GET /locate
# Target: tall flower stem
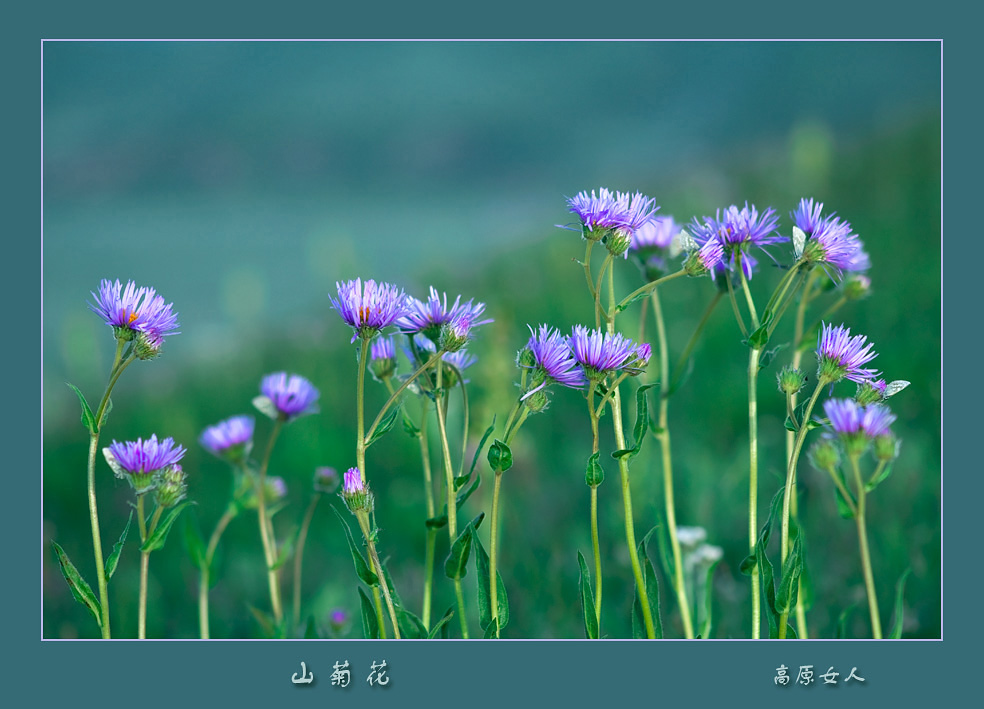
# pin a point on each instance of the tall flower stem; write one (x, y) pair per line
(144, 563)
(431, 531)
(299, 554)
(206, 570)
(664, 439)
(119, 364)
(623, 466)
(595, 539)
(369, 535)
(360, 441)
(692, 342)
(494, 533)
(789, 491)
(449, 474)
(389, 402)
(269, 548)
(869, 579)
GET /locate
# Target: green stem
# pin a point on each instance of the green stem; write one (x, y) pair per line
(591, 285)
(299, 555)
(595, 539)
(753, 367)
(144, 563)
(360, 415)
(752, 312)
(780, 290)
(364, 523)
(203, 585)
(869, 579)
(734, 306)
(269, 549)
(378, 603)
(449, 475)
(664, 439)
(389, 402)
(431, 532)
(643, 290)
(692, 342)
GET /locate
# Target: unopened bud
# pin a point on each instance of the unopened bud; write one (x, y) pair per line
(791, 380)
(171, 487)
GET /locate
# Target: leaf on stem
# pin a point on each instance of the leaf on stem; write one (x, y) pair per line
(439, 626)
(643, 423)
(484, 591)
(843, 508)
(114, 557)
(370, 626)
(362, 569)
(882, 476)
(500, 456)
(492, 632)
(159, 536)
(88, 419)
(385, 425)
(481, 445)
(587, 600)
(758, 339)
(594, 474)
(896, 631)
(652, 593)
(80, 589)
(455, 566)
(442, 520)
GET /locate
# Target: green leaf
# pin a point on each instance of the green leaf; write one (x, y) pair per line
(310, 630)
(159, 536)
(706, 623)
(587, 600)
(117, 548)
(874, 482)
(194, 544)
(642, 424)
(896, 632)
(500, 456)
(370, 626)
(843, 622)
(362, 569)
(80, 589)
(385, 425)
(843, 509)
(789, 581)
(484, 590)
(410, 625)
(455, 566)
(769, 355)
(438, 522)
(286, 551)
(594, 474)
(439, 625)
(409, 427)
(665, 548)
(394, 596)
(758, 339)
(88, 419)
(622, 306)
(492, 631)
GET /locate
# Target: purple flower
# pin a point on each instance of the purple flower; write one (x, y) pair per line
(355, 493)
(829, 240)
(845, 415)
(735, 230)
(607, 210)
(338, 618)
(657, 233)
(551, 359)
(856, 424)
(382, 348)
(130, 310)
(353, 482)
(276, 488)
(602, 353)
(286, 397)
(840, 356)
(141, 461)
(429, 317)
(370, 308)
(231, 439)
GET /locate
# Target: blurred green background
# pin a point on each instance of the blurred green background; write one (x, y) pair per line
(242, 180)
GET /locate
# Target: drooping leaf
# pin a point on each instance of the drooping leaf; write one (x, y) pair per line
(594, 474)
(896, 632)
(500, 456)
(370, 626)
(587, 600)
(362, 569)
(114, 557)
(484, 590)
(80, 589)
(385, 425)
(88, 419)
(882, 476)
(159, 536)
(642, 424)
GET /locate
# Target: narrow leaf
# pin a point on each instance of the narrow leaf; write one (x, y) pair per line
(484, 590)
(409, 427)
(362, 569)
(652, 586)
(706, 623)
(159, 535)
(114, 557)
(492, 631)
(410, 625)
(875, 482)
(896, 631)
(286, 551)
(758, 339)
(385, 425)
(481, 445)
(455, 566)
(843, 509)
(439, 625)
(80, 589)
(88, 419)
(370, 626)
(587, 600)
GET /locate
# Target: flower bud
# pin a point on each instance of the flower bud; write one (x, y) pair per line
(525, 358)
(870, 392)
(617, 241)
(537, 401)
(454, 334)
(171, 486)
(355, 493)
(326, 480)
(146, 347)
(856, 286)
(824, 454)
(886, 447)
(382, 358)
(791, 380)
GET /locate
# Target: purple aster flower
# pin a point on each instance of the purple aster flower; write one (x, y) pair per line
(355, 493)
(548, 354)
(607, 211)
(876, 420)
(338, 617)
(735, 230)
(828, 240)
(657, 233)
(857, 425)
(141, 461)
(382, 358)
(845, 415)
(353, 482)
(286, 397)
(429, 317)
(370, 307)
(602, 353)
(231, 439)
(707, 258)
(840, 356)
(859, 261)
(131, 311)
(276, 488)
